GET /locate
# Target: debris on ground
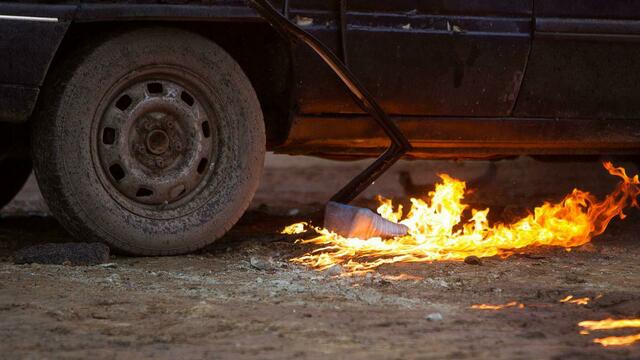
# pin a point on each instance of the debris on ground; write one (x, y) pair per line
(261, 263)
(472, 260)
(434, 317)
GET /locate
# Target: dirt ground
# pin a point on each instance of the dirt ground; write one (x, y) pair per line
(242, 298)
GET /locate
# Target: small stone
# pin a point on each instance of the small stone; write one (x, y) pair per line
(434, 317)
(334, 270)
(260, 263)
(108, 265)
(472, 260)
(75, 254)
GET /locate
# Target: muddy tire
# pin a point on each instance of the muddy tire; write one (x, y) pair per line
(151, 140)
(13, 174)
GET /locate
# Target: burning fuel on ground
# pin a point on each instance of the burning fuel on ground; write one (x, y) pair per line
(569, 299)
(512, 304)
(612, 324)
(440, 228)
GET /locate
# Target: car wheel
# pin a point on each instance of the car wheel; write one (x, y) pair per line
(15, 173)
(151, 141)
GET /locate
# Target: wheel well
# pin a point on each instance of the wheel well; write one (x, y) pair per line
(261, 52)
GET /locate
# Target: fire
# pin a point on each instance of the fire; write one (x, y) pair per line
(578, 301)
(437, 230)
(294, 229)
(498, 307)
(610, 324)
(617, 340)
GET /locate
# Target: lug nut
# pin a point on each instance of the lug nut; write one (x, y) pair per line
(160, 163)
(177, 146)
(140, 148)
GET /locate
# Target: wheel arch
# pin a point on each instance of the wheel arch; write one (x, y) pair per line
(262, 53)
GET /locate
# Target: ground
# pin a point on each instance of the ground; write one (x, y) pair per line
(242, 298)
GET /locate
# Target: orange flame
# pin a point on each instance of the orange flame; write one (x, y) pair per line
(578, 301)
(498, 307)
(437, 231)
(610, 324)
(617, 340)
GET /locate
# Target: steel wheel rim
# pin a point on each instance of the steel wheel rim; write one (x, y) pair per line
(155, 140)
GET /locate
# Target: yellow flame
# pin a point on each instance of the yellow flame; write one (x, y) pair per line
(293, 229)
(498, 307)
(437, 230)
(608, 324)
(617, 340)
(578, 301)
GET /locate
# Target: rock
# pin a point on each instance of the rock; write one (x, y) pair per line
(261, 263)
(65, 253)
(108, 265)
(434, 317)
(472, 260)
(334, 270)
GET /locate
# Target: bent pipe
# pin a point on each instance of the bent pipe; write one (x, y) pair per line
(399, 143)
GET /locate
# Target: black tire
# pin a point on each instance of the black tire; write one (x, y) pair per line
(71, 151)
(14, 173)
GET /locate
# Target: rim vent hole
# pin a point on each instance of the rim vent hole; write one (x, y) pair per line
(124, 102)
(206, 130)
(143, 192)
(154, 88)
(202, 166)
(117, 172)
(188, 99)
(108, 136)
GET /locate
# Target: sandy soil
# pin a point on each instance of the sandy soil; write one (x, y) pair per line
(242, 298)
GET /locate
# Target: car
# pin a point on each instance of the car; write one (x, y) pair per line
(147, 122)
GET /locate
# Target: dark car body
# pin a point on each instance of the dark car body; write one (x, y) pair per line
(463, 79)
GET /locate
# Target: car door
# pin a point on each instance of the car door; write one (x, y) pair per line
(417, 57)
(440, 58)
(584, 60)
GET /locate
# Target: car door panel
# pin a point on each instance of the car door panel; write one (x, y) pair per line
(423, 57)
(440, 64)
(584, 61)
(316, 88)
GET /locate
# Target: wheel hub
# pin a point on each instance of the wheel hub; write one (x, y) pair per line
(155, 142)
